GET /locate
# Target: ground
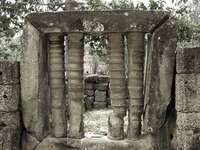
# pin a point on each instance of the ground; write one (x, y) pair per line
(96, 122)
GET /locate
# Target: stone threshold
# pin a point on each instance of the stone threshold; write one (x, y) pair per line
(97, 143)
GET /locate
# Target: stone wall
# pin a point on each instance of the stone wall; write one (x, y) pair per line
(10, 123)
(187, 99)
(96, 91)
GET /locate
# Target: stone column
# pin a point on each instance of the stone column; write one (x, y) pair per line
(135, 43)
(117, 87)
(75, 84)
(57, 84)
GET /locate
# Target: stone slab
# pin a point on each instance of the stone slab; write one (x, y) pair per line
(89, 101)
(160, 74)
(115, 20)
(91, 78)
(10, 138)
(89, 86)
(50, 143)
(103, 79)
(89, 92)
(35, 95)
(101, 86)
(9, 72)
(188, 92)
(188, 121)
(99, 105)
(9, 118)
(10, 131)
(188, 60)
(9, 97)
(100, 96)
(187, 140)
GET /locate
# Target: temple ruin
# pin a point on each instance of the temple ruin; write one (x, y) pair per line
(160, 85)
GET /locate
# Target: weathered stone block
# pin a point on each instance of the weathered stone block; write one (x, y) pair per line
(100, 96)
(101, 86)
(9, 131)
(113, 21)
(99, 105)
(188, 60)
(89, 101)
(10, 138)
(116, 126)
(89, 86)
(91, 78)
(103, 79)
(9, 72)
(59, 144)
(9, 118)
(9, 97)
(29, 142)
(187, 140)
(34, 80)
(188, 92)
(160, 74)
(89, 92)
(188, 121)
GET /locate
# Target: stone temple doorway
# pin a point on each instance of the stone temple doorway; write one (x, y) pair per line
(55, 45)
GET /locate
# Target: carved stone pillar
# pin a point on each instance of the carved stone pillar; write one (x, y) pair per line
(135, 43)
(57, 84)
(75, 84)
(117, 87)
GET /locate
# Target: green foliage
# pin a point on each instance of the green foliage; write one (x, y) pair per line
(156, 4)
(96, 5)
(121, 4)
(184, 30)
(10, 49)
(12, 13)
(55, 5)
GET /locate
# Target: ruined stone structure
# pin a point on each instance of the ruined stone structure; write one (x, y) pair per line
(53, 45)
(44, 42)
(96, 91)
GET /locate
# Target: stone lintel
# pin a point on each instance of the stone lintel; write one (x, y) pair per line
(112, 20)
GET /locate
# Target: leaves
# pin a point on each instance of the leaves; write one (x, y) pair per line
(13, 12)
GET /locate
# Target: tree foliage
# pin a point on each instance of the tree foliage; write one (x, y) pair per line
(12, 13)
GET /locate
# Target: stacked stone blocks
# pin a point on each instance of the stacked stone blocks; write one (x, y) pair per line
(96, 91)
(9, 106)
(187, 98)
(101, 92)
